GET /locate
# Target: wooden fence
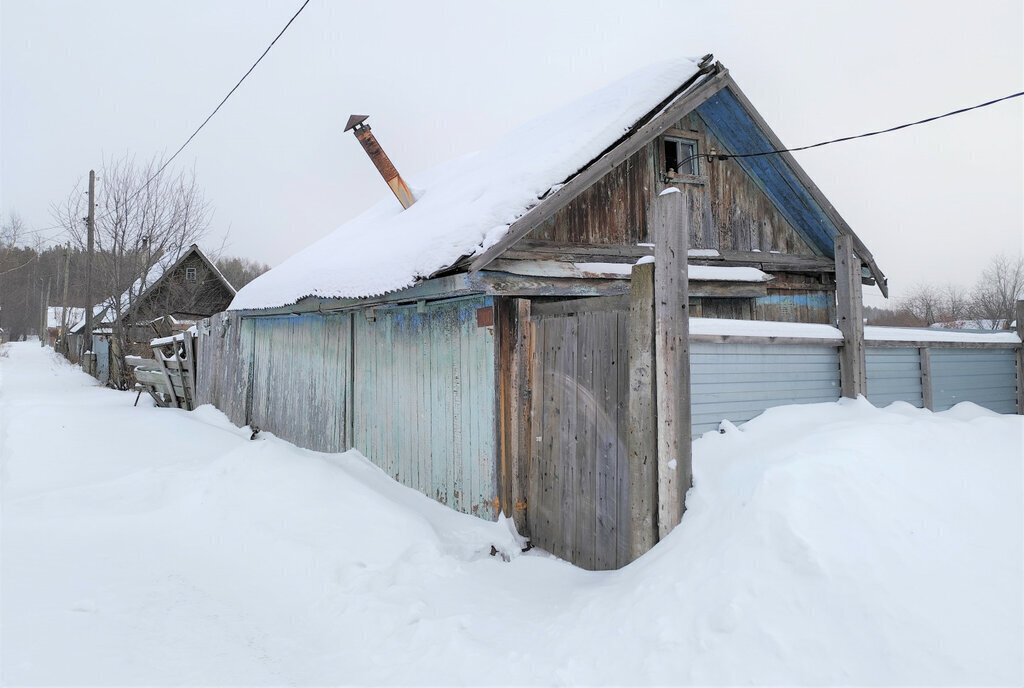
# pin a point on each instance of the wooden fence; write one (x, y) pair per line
(170, 376)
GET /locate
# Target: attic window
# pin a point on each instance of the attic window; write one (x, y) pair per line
(190, 274)
(680, 156)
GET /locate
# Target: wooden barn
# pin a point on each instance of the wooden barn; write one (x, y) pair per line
(174, 294)
(486, 345)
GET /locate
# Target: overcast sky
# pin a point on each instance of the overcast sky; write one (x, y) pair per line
(87, 81)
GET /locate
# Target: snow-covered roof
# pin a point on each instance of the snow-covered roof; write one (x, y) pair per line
(465, 206)
(55, 316)
(162, 265)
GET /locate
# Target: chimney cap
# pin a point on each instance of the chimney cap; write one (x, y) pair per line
(355, 121)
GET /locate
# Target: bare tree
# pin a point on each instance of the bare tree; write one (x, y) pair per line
(240, 271)
(924, 302)
(998, 289)
(956, 303)
(142, 218)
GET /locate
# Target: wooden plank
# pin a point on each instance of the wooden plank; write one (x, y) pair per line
(563, 307)
(618, 154)
(606, 390)
(850, 310)
(508, 388)
(567, 459)
(139, 362)
(642, 428)
(672, 358)
(553, 420)
(506, 284)
(522, 437)
(622, 393)
(927, 396)
(537, 472)
(588, 409)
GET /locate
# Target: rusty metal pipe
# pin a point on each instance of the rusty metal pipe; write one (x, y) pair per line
(380, 159)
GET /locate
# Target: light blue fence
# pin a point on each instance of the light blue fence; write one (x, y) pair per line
(736, 382)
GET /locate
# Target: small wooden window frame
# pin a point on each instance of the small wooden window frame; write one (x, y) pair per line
(191, 275)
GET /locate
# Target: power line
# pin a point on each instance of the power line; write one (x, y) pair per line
(221, 103)
(726, 156)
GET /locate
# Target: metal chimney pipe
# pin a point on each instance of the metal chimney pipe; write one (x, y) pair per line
(380, 159)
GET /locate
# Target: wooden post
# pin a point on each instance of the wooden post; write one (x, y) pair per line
(850, 311)
(643, 437)
(927, 395)
(1020, 358)
(672, 356)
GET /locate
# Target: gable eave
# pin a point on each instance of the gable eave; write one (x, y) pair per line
(808, 210)
(687, 98)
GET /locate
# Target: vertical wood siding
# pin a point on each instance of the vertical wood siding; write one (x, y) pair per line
(736, 382)
(300, 386)
(894, 375)
(224, 361)
(424, 404)
(579, 475)
(986, 377)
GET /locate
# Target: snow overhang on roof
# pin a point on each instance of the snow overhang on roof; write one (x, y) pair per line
(466, 205)
(474, 207)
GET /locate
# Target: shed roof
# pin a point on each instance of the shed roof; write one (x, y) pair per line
(480, 204)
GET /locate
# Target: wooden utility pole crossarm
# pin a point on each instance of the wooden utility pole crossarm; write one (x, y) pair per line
(672, 356)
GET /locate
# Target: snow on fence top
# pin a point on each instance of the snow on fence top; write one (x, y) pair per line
(761, 328)
(925, 334)
(464, 206)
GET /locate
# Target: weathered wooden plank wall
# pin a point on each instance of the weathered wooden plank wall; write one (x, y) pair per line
(424, 401)
(301, 387)
(224, 359)
(736, 382)
(579, 471)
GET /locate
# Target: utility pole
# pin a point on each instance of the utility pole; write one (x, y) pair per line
(64, 301)
(44, 321)
(88, 261)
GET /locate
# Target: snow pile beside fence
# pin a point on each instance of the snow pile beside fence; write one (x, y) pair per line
(833, 544)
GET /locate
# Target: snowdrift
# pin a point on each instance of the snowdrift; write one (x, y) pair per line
(827, 544)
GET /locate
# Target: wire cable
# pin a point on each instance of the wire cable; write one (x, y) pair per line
(726, 156)
(221, 103)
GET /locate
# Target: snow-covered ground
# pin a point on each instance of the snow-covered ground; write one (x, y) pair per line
(826, 544)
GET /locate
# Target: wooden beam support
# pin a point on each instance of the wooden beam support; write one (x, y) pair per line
(642, 442)
(1020, 358)
(927, 396)
(672, 356)
(850, 310)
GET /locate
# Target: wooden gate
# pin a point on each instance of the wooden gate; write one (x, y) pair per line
(578, 485)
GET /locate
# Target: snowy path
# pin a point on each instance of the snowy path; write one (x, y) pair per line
(154, 546)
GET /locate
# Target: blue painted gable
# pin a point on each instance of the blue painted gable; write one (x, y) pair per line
(727, 119)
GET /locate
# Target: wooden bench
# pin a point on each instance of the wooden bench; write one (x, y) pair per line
(170, 376)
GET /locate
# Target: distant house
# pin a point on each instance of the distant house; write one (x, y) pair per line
(55, 321)
(476, 345)
(175, 293)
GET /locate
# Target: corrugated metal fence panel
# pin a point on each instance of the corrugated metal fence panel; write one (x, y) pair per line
(986, 377)
(736, 382)
(424, 406)
(300, 386)
(894, 375)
